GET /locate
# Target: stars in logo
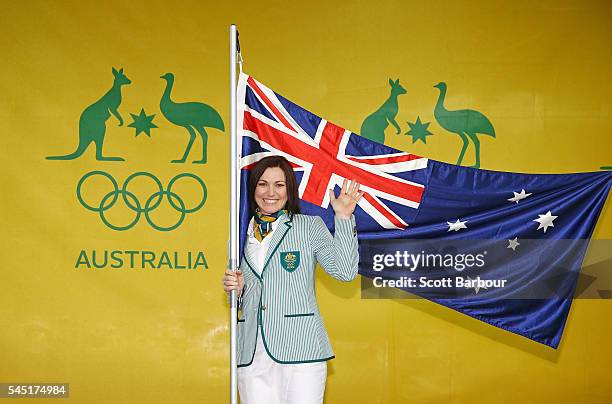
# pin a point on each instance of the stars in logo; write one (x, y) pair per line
(545, 221)
(513, 243)
(143, 123)
(519, 196)
(418, 131)
(457, 225)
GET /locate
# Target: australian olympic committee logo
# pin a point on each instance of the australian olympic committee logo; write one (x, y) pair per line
(147, 205)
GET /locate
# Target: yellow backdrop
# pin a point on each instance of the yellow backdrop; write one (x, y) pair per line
(540, 71)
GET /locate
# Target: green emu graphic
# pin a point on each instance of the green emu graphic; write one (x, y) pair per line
(465, 122)
(189, 115)
(373, 127)
(92, 123)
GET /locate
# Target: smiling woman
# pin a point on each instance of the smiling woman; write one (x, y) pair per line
(271, 191)
(272, 187)
(282, 343)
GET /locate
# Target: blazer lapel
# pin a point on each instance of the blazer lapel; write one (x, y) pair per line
(248, 256)
(277, 238)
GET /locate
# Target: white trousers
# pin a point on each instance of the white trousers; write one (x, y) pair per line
(267, 382)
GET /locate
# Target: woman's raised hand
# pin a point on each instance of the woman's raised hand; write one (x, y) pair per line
(233, 280)
(344, 205)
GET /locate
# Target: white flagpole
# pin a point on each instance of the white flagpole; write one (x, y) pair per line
(233, 241)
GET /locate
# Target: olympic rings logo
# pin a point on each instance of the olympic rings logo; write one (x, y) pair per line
(131, 201)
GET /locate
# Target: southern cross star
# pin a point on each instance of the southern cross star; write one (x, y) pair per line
(545, 221)
(476, 281)
(513, 243)
(518, 196)
(458, 225)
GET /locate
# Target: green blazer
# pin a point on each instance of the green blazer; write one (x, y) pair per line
(283, 299)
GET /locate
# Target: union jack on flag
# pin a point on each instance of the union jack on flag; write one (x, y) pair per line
(323, 154)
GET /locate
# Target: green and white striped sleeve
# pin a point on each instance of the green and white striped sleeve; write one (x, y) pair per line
(338, 255)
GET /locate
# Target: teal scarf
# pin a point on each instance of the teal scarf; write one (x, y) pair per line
(262, 224)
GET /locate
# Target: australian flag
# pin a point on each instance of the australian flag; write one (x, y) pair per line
(520, 224)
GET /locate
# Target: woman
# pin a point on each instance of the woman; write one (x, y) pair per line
(282, 343)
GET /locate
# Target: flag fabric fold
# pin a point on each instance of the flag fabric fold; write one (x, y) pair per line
(408, 197)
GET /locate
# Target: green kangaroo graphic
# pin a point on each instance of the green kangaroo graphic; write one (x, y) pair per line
(92, 123)
(189, 115)
(462, 122)
(373, 127)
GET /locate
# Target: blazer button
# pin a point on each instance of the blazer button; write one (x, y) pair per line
(263, 306)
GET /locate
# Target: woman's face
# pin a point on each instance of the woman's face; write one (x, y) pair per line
(271, 191)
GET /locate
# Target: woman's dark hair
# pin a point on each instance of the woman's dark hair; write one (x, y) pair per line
(293, 198)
